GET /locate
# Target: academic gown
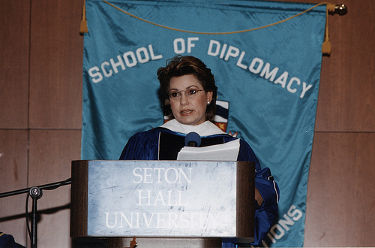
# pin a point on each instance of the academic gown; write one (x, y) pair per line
(164, 143)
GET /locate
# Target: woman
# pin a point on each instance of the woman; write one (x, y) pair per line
(188, 96)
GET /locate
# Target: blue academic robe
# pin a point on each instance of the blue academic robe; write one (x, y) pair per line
(148, 146)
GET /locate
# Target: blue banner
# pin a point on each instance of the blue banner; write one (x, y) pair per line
(269, 76)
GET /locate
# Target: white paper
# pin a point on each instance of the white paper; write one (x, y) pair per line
(223, 152)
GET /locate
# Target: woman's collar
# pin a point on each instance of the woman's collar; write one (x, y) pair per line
(204, 129)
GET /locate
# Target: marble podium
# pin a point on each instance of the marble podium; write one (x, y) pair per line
(162, 199)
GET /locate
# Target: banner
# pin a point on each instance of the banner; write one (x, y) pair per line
(269, 78)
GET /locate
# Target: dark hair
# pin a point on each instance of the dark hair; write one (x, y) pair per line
(185, 65)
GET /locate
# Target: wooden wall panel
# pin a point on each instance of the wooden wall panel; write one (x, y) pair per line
(346, 98)
(51, 153)
(56, 64)
(341, 190)
(13, 176)
(14, 63)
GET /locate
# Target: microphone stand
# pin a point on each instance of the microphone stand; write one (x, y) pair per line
(35, 193)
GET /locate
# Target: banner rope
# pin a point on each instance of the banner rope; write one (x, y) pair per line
(326, 46)
(332, 6)
(83, 27)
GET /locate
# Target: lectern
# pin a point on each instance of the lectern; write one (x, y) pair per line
(178, 201)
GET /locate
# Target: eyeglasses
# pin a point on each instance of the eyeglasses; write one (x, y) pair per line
(176, 95)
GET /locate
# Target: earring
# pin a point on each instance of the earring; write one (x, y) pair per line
(208, 102)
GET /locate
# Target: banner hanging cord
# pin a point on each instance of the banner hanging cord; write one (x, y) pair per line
(83, 27)
(326, 46)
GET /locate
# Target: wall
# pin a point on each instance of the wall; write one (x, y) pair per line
(40, 111)
(40, 122)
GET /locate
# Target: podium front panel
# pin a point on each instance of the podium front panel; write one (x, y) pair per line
(165, 199)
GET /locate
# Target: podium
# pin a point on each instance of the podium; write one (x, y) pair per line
(191, 203)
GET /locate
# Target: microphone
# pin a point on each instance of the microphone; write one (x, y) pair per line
(193, 139)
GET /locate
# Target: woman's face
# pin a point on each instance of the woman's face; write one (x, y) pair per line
(188, 99)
